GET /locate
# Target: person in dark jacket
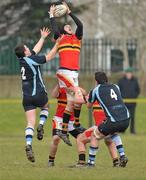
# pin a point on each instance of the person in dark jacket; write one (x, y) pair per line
(130, 89)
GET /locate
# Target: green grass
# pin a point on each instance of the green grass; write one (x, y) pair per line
(14, 165)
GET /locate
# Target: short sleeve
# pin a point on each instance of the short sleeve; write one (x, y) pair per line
(38, 59)
(92, 97)
(33, 52)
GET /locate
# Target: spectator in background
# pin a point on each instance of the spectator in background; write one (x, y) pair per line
(130, 89)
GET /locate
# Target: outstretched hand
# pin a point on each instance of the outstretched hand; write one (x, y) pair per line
(68, 9)
(52, 10)
(45, 32)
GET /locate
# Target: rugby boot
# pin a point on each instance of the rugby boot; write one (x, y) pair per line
(116, 163)
(78, 165)
(29, 153)
(40, 132)
(89, 165)
(51, 164)
(65, 138)
(123, 161)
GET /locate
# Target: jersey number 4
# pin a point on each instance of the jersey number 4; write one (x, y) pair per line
(23, 73)
(113, 95)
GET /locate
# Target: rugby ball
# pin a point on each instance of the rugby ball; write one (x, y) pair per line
(60, 10)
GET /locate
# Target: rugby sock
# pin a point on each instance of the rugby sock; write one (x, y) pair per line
(51, 159)
(82, 157)
(92, 155)
(118, 142)
(77, 111)
(29, 132)
(66, 118)
(43, 116)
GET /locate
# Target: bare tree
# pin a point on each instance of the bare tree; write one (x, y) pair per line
(127, 20)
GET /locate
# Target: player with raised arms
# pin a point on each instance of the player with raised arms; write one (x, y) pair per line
(33, 88)
(69, 55)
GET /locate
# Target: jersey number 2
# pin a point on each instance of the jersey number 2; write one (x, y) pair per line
(113, 95)
(23, 73)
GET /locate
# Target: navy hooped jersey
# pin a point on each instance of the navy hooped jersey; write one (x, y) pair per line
(110, 99)
(32, 82)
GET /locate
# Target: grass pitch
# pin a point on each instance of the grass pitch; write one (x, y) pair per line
(14, 165)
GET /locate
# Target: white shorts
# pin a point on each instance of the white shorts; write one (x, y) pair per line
(57, 123)
(68, 77)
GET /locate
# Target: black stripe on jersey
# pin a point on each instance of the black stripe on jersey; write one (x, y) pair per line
(73, 47)
(99, 108)
(62, 102)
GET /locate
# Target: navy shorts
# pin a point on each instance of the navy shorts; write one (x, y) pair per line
(108, 127)
(74, 132)
(32, 102)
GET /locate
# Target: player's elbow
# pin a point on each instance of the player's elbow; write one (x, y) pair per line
(49, 57)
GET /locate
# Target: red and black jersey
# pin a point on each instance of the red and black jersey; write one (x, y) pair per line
(98, 113)
(70, 44)
(61, 104)
(69, 52)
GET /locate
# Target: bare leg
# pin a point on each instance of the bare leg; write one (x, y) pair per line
(66, 117)
(82, 140)
(53, 150)
(31, 118)
(54, 145)
(113, 151)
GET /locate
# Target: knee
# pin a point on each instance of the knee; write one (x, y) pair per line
(81, 139)
(77, 105)
(56, 140)
(108, 141)
(70, 106)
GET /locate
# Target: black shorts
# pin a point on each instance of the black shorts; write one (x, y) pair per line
(74, 132)
(32, 102)
(108, 127)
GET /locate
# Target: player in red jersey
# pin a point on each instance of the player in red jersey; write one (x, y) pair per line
(113, 142)
(69, 55)
(60, 94)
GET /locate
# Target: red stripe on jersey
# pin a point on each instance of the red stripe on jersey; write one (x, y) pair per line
(61, 106)
(98, 113)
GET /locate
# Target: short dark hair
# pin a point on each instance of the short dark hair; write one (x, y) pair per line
(19, 50)
(101, 77)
